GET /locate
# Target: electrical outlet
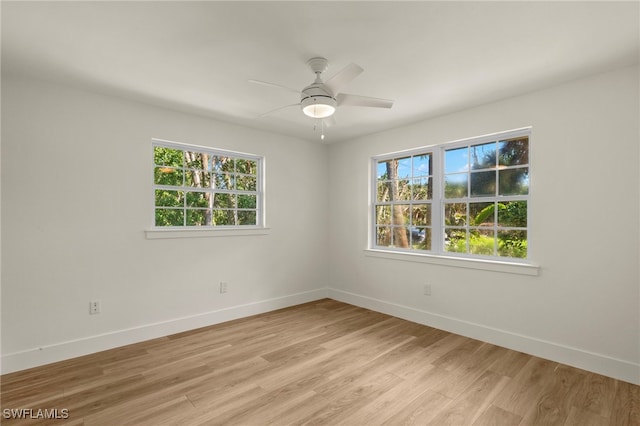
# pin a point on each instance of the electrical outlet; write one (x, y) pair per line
(94, 307)
(223, 287)
(427, 289)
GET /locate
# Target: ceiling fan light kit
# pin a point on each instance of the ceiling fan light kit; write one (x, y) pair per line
(320, 100)
(318, 106)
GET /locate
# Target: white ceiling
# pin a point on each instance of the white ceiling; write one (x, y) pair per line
(430, 57)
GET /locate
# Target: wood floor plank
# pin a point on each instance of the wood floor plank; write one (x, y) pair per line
(626, 405)
(556, 400)
(463, 374)
(222, 380)
(597, 395)
(390, 403)
(526, 387)
(421, 410)
(579, 417)
(453, 358)
(496, 416)
(298, 411)
(350, 397)
(140, 413)
(320, 363)
(467, 407)
(510, 364)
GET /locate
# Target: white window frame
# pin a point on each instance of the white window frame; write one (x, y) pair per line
(437, 254)
(155, 232)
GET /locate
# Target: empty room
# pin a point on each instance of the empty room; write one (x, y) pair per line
(331, 213)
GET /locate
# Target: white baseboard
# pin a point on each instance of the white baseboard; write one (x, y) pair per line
(34, 357)
(597, 363)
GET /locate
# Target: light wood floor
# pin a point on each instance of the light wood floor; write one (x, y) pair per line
(326, 363)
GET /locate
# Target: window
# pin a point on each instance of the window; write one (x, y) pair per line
(404, 201)
(202, 187)
(465, 199)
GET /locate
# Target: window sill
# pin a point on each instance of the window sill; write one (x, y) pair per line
(485, 265)
(154, 234)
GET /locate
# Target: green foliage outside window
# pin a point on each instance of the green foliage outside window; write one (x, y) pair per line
(199, 188)
(477, 175)
(484, 199)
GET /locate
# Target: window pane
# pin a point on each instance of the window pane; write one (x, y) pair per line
(455, 240)
(455, 214)
(167, 156)
(422, 189)
(482, 241)
(383, 236)
(397, 173)
(198, 199)
(383, 215)
(514, 152)
(404, 168)
(455, 186)
(247, 217)
(483, 184)
(384, 191)
(221, 164)
(169, 198)
(197, 178)
(401, 236)
(246, 183)
(421, 239)
(512, 214)
(381, 170)
(247, 201)
(403, 190)
(456, 160)
(224, 201)
(169, 217)
(514, 181)
(512, 244)
(198, 217)
(195, 160)
(167, 176)
(224, 217)
(400, 214)
(422, 165)
(421, 215)
(482, 214)
(418, 237)
(483, 156)
(224, 181)
(248, 167)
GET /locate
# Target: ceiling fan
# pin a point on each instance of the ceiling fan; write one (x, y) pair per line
(320, 99)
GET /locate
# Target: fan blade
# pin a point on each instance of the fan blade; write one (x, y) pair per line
(277, 86)
(343, 77)
(278, 109)
(365, 101)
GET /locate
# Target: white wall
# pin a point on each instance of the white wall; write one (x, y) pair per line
(77, 197)
(583, 308)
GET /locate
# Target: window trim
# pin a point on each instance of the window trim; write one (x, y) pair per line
(456, 262)
(175, 232)
(437, 254)
(164, 232)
